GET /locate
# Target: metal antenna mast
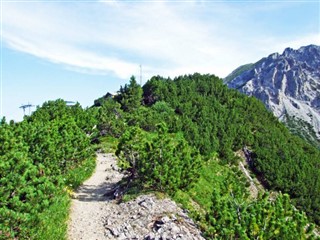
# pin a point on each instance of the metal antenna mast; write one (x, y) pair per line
(140, 75)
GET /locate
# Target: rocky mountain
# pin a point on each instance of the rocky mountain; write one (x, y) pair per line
(289, 85)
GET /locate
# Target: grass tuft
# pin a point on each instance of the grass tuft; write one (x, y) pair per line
(53, 221)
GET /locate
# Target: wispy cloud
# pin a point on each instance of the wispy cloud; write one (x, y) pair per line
(70, 56)
(167, 38)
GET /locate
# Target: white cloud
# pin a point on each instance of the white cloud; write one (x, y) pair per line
(72, 57)
(114, 37)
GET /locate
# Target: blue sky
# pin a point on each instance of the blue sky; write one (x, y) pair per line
(80, 50)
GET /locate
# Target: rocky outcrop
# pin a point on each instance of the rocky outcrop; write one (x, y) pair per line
(288, 84)
(148, 217)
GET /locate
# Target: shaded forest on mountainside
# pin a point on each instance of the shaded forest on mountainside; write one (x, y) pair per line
(214, 118)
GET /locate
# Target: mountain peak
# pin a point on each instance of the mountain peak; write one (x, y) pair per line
(287, 51)
(288, 84)
(274, 55)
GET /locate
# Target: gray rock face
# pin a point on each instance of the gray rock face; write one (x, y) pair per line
(287, 83)
(149, 218)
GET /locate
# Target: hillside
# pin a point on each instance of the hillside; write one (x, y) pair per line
(289, 85)
(177, 138)
(208, 122)
(216, 119)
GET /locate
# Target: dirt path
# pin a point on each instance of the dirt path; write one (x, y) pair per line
(89, 203)
(94, 216)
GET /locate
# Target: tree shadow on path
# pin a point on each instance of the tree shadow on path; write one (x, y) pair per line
(109, 180)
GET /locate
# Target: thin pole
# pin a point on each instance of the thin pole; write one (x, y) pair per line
(140, 75)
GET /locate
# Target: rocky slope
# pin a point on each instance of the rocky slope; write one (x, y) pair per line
(288, 84)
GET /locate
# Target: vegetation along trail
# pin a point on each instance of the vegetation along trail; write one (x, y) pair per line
(89, 202)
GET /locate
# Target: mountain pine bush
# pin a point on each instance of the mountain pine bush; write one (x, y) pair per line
(37, 156)
(161, 161)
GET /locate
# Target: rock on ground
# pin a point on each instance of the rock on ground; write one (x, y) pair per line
(147, 217)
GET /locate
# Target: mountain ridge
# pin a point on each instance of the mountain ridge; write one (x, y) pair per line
(288, 84)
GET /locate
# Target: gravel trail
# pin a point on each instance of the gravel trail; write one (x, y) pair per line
(89, 203)
(94, 216)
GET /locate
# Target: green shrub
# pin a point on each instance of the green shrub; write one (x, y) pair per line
(160, 160)
(38, 157)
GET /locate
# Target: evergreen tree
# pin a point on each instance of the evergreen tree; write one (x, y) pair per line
(130, 96)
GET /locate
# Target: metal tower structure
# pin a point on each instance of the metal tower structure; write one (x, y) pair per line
(24, 106)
